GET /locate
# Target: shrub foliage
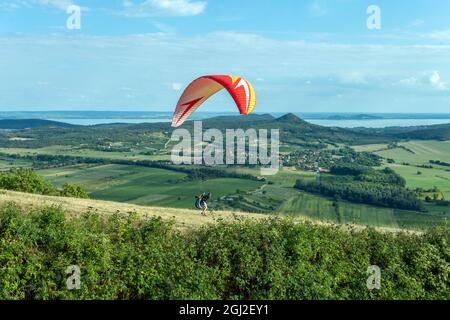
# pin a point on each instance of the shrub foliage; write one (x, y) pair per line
(27, 180)
(125, 257)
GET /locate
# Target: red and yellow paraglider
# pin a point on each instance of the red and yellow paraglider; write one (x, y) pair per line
(204, 87)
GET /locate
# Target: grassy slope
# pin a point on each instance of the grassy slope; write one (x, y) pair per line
(421, 152)
(183, 218)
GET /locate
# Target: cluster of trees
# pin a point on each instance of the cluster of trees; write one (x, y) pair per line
(212, 173)
(309, 158)
(123, 257)
(361, 184)
(109, 148)
(348, 155)
(441, 163)
(363, 173)
(432, 132)
(26, 180)
(44, 161)
(92, 137)
(386, 195)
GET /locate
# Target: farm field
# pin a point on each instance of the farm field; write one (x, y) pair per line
(370, 147)
(144, 186)
(420, 152)
(80, 152)
(320, 208)
(286, 176)
(282, 198)
(7, 164)
(165, 188)
(427, 179)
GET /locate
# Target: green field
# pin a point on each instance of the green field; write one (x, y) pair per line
(83, 152)
(165, 188)
(428, 179)
(159, 187)
(419, 152)
(286, 176)
(288, 200)
(144, 186)
(7, 164)
(370, 147)
(320, 208)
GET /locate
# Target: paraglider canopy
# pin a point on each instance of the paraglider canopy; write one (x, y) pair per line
(204, 87)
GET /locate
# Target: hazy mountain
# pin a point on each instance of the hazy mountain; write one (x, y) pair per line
(19, 124)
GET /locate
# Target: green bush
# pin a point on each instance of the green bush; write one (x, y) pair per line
(74, 191)
(27, 180)
(126, 257)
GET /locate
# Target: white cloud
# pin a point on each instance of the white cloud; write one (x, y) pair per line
(417, 23)
(319, 8)
(8, 6)
(58, 4)
(176, 86)
(62, 5)
(153, 8)
(155, 66)
(428, 80)
(440, 35)
(435, 80)
(353, 77)
(409, 82)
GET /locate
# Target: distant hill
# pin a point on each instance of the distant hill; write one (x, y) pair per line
(354, 117)
(433, 132)
(18, 124)
(291, 118)
(293, 129)
(437, 132)
(240, 119)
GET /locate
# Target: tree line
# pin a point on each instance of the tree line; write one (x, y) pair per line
(365, 185)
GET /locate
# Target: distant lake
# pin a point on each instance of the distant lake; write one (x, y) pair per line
(377, 123)
(329, 119)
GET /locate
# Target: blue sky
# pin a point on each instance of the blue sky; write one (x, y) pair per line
(301, 55)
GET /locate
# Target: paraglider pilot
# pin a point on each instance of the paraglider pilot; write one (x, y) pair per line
(202, 202)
